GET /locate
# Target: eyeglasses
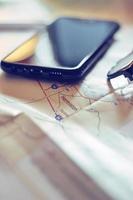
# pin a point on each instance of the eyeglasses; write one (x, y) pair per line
(122, 67)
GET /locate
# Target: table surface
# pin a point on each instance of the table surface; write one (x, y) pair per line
(119, 10)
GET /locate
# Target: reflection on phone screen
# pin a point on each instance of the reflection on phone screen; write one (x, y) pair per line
(64, 43)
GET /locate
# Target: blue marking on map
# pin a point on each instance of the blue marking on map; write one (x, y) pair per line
(58, 117)
(54, 86)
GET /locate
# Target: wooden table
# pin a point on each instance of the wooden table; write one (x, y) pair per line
(119, 10)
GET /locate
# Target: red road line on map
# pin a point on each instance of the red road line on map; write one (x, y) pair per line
(56, 93)
(79, 92)
(76, 96)
(46, 96)
(36, 100)
(59, 101)
(48, 88)
(83, 95)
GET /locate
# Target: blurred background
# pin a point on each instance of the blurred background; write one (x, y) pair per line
(120, 10)
(34, 10)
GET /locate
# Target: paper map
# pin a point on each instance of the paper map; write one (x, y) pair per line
(90, 121)
(40, 169)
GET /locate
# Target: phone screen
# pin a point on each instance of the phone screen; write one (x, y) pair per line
(64, 43)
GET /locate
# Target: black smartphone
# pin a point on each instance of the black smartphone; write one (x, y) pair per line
(63, 50)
